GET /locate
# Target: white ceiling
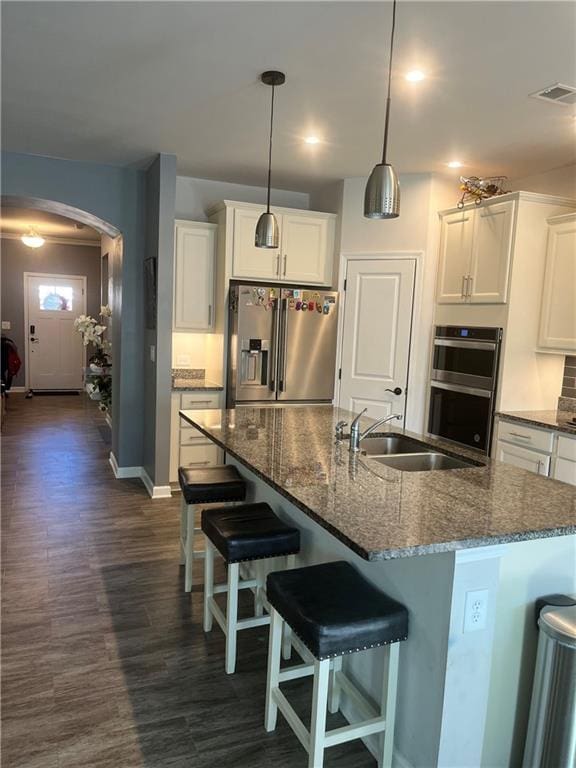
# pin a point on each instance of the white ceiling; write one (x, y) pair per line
(116, 82)
(18, 221)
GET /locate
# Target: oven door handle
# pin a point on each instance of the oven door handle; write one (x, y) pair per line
(465, 344)
(487, 393)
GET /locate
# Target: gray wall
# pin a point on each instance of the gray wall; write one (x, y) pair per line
(116, 197)
(160, 201)
(52, 258)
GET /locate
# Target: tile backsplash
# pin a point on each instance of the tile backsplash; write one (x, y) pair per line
(569, 380)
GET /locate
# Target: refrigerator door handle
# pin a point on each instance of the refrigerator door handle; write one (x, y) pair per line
(282, 345)
(274, 355)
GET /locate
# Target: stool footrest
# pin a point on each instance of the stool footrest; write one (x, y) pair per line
(255, 621)
(246, 584)
(355, 731)
(295, 672)
(292, 718)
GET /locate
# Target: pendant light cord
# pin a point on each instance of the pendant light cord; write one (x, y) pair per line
(385, 146)
(270, 150)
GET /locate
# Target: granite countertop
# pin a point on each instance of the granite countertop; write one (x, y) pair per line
(379, 512)
(196, 385)
(560, 421)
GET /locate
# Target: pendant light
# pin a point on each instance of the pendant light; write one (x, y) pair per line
(382, 195)
(267, 232)
(33, 239)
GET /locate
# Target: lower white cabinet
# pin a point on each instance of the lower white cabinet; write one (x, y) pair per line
(188, 446)
(523, 458)
(539, 450)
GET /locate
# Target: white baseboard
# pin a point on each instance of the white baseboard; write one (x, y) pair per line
(155, 491)
(354, 715)
(123, 473)
(17, 389)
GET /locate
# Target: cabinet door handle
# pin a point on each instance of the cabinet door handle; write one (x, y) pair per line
(278, 264)
(284, 268)
(469, 286)
(209, 314)
(522, 437)
(463, 288)
(197, 463)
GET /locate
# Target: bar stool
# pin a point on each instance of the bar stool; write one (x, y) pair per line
(209, 485)
(332, 611)
(245, 533)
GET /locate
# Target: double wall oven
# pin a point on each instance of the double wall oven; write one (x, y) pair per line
(463, 384)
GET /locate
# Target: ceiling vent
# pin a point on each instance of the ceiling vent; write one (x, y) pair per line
(557, 94)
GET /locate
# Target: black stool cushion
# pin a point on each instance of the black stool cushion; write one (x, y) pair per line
(334, 610)
(249, 532)
(211, 485)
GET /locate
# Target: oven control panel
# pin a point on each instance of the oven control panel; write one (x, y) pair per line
(468, 333)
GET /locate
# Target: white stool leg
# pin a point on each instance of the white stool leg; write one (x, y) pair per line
(388, 706)
(287, 641)
(258, 596)
(208, 584)
(183, 511)
(334, 692)
(273, 677)
(318, 721)
(232, 617)
(189, 547)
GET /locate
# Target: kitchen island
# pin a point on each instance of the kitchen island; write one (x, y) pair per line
(430, 539)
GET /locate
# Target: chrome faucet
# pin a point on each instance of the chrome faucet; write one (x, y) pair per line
(340, 429)
(356, 436)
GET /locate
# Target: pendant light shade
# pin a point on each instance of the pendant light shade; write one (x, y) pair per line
(382, 195)
(267, 230)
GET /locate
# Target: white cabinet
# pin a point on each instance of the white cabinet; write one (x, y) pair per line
(188, 446)
(475, 250)
(305, 252)
(194, 253)
(564, 471)
(558, 314)
(455, 256)
(247, 260)
(523, 458)
(491, 249)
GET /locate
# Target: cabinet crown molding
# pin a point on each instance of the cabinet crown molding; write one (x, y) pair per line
(197, 224)
(223, 204)
(531, 197)
(562, 218)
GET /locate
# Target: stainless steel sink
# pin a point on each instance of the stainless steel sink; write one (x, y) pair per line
(424, 462)
(392, 444)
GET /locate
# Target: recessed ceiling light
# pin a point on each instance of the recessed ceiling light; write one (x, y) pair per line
(455, 164)
(312, 140)
(415, 76)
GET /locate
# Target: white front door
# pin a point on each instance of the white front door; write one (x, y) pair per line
(55, 354)
(376, 337)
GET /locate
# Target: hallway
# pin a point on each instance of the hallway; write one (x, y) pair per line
(105, 663)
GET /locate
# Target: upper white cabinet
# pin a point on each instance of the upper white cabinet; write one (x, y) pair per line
(475, 250)
(194, 254)
(305, 253)
(247, 260)
(558, 315)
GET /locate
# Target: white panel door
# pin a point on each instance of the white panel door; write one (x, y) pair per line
(307, 242)
(376, 337)
(194, 276)
(55, 351)
(455, 255)
(523, 458)
(247, 260)
(492, 246)
(565, 471)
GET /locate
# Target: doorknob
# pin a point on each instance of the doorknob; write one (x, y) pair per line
(395, 391)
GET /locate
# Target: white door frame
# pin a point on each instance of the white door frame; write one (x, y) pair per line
(415, 393)
(28, 275)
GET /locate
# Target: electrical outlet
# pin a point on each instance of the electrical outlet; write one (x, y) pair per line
(476, 610)
(6, 325)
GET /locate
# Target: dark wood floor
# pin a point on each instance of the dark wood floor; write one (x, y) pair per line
(104, 661)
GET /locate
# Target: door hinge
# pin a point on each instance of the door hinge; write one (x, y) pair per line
(345, 283)
(340, 373)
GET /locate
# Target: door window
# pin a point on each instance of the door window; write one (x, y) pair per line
(57, 298)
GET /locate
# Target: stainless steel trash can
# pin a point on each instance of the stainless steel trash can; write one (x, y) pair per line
(551, 737)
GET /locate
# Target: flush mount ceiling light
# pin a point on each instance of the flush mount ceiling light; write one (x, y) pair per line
(267, 233)
(382, 194)
(454, 164)
(415, 76)
(312, 140)
(33, 239)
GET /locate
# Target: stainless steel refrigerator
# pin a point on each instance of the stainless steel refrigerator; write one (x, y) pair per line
(282, 344)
